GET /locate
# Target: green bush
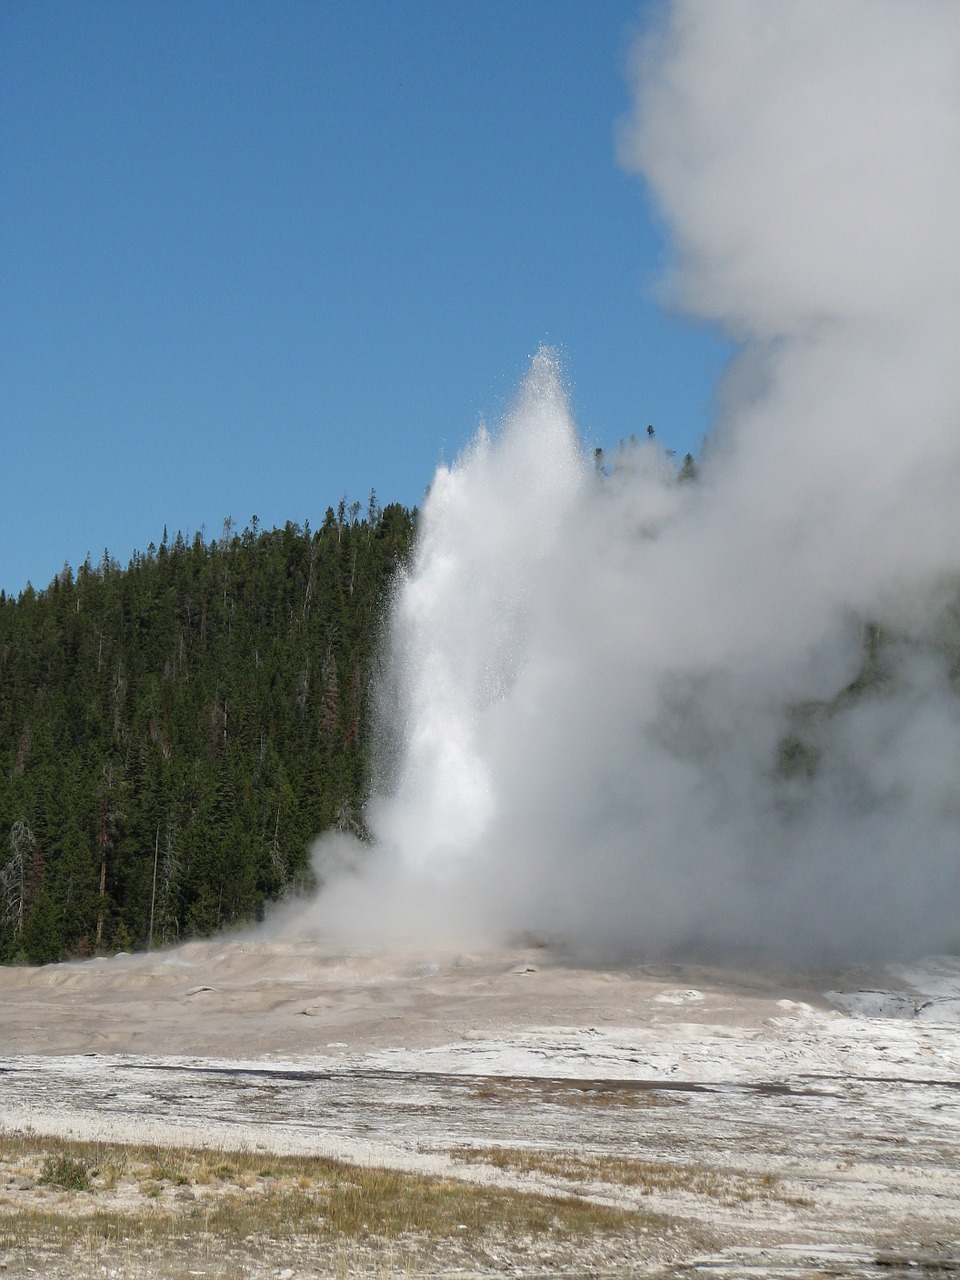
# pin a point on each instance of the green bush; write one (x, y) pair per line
(67, 1172)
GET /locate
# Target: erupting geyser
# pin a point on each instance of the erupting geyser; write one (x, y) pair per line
(721, 714)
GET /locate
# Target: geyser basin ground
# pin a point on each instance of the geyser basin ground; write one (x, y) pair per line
(767, 1123)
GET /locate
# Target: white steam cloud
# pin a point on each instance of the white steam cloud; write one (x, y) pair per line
(617, 708)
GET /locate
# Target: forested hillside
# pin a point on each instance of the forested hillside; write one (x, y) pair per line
(173, 734)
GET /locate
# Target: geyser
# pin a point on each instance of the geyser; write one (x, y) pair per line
(722, 714)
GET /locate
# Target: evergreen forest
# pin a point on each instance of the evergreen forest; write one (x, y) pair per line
(175, 733)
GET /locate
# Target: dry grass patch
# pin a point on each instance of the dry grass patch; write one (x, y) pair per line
(727, 1188)
(65, 1192)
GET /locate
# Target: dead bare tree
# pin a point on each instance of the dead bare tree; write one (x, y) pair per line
(16, 875)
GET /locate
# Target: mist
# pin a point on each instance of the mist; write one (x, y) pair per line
(717, 716)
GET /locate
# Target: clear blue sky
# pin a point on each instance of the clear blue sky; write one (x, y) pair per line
(258, 254)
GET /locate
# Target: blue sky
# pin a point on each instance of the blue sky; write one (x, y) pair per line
(259, 255)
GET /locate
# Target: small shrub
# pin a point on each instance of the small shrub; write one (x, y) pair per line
(65, 1171)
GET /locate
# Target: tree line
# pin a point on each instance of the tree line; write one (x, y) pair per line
(174, 733)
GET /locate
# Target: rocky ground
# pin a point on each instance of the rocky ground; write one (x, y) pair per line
(748, 1123)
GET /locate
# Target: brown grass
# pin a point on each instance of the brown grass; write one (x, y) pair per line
(149, 1195)
(726, 1187)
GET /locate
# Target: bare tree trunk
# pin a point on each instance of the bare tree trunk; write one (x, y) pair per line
(153, 892)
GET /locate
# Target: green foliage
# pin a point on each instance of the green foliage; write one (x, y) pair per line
(69, 1172)
(805, 745)
(174, 734)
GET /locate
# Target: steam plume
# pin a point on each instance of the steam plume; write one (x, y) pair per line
(619, 708)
